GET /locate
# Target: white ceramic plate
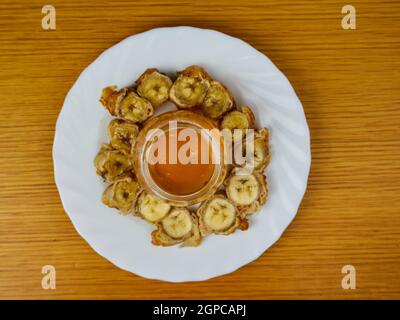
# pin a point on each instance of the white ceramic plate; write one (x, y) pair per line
(81, 128)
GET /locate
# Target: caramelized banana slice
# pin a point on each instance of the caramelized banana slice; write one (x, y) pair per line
(219, 215)
(247, 191)
(134, 108)
(154, 86)
(111, 164)
(121, 194)
(111, 98)
(259, 150)
(122, 134)
(190, 88)
(243, 120)
(217, 101)
(179, 226)
(151, 208)
(126, 104)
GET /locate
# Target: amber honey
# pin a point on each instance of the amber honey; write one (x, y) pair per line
(180, 183)
(180, 178)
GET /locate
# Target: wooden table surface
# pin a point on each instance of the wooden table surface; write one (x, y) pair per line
(347, 80)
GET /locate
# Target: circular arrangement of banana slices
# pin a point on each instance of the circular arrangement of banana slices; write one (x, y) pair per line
(243, 192)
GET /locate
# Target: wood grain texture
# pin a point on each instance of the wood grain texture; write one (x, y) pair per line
(347, 80)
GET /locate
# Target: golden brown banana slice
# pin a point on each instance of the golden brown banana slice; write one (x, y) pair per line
(190, 88)
(257, 153)
(219, 215)
(179, 226)
(217, 101)
(111, 163)
(243, 120)
(151, 208)
(121, 194)
(134, 108)
(154, 86)
(247, 191)
(122, 134)
(111, 98)
(126, 104)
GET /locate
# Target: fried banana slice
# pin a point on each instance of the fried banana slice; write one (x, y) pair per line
(242, 120)
(134, 108)
(151, 208)
(220, 216)
(111, 164)
(121, 194)
(217, 101)
(122, 134)
(179, 226)
(190, 88)
(111, 98)
(247, 191)
(154, 86)
(258, 154)
(126, 104)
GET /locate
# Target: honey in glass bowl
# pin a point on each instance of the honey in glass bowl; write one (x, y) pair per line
(177, 160)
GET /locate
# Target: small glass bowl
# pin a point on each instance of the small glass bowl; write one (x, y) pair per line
(184, 119)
